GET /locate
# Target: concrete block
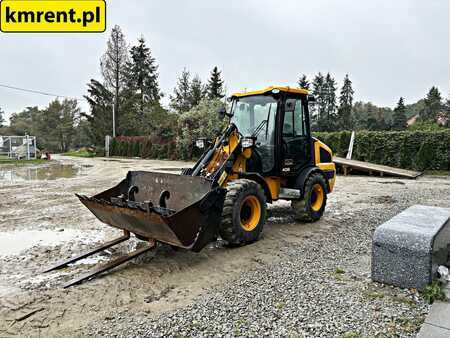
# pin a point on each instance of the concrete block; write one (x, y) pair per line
(408, 249)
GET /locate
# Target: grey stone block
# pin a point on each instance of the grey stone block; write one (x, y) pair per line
(408, 249)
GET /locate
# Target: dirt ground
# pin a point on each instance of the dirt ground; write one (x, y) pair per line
(42, 222)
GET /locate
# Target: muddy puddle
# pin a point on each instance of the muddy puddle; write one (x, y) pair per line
(13, 243)
(50, 172)
(16, 242)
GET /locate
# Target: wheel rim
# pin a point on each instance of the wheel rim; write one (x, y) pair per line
(317, 197)
(250, 213)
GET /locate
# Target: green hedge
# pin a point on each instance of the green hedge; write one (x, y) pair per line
(419, 150)
(142, 147)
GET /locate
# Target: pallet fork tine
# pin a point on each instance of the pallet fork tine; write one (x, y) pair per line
(105, 267)
(110, 265)
(91, 252)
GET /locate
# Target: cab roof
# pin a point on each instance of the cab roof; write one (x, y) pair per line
(269, 89)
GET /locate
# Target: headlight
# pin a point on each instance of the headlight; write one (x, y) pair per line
(248, 142)
(200, 143)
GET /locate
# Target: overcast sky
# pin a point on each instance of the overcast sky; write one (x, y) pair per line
(389, 48)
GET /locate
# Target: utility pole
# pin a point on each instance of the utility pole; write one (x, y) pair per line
(114, 120)
(28, 146)
(141, 93)
(35, 146)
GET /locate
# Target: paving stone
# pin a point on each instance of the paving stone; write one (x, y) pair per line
(408, 249)
(431, 331)
(439, 315)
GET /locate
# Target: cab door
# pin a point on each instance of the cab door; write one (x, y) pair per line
(296, 141)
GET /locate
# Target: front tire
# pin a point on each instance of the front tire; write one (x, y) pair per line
(312, 206)
(244, 212)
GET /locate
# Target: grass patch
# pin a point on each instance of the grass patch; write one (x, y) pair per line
(403, 299)
(374, 295)
(339, 275)
(279, 305)
(434, 292)
(9, 161)
(409, 325)
(241, 322)
(339, 271)
(388, 295)
(437, 172)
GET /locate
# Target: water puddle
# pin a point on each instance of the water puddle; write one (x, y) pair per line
(15, 242)
(50, 172)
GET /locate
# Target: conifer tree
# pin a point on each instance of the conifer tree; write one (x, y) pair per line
(100, 117)
(329, 121)
(318, 110)
(433, 105)
(345, 105)
(197, 91)
(142, 72)
(215, 86)
(141, 96)
(113, 64)
(181, 99)
(399, 117)
(303, 82)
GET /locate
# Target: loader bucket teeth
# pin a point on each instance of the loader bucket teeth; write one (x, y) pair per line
(183, 211)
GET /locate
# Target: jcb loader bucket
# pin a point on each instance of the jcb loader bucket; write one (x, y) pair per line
(183, 211)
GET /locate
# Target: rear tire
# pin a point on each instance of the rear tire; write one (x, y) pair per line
(312, 206)
(244, 212)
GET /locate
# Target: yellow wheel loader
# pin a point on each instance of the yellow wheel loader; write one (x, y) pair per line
(265, 154)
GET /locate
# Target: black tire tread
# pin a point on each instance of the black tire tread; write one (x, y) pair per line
(302, 208)
(228, 230)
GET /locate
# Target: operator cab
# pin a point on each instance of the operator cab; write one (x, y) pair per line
(278, 119)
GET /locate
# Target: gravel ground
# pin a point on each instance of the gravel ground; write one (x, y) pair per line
(321, 286)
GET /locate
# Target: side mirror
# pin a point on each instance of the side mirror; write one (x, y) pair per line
(222, 111)
(311, 98)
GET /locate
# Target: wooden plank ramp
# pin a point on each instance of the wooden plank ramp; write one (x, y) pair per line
(371, 168)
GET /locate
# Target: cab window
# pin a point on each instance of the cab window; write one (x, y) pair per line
(293, 125)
